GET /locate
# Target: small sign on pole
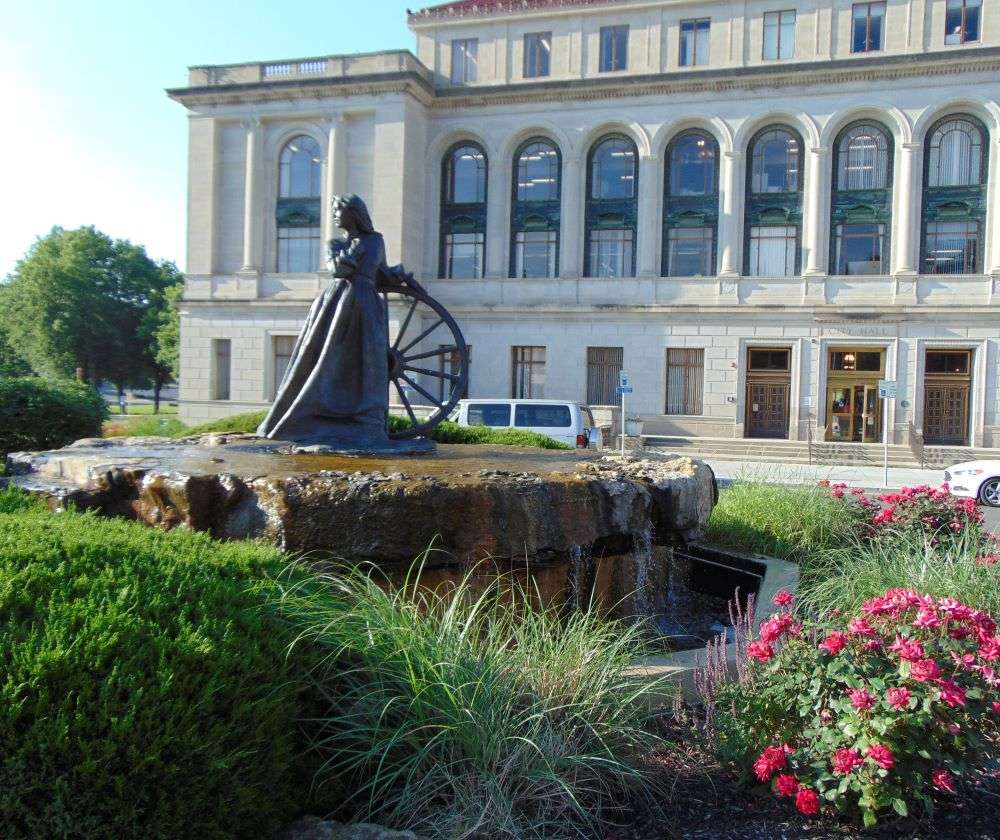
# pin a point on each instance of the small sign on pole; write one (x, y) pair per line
(623, 389)
(886, 392)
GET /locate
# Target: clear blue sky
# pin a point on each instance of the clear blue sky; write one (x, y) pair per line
(87, 134)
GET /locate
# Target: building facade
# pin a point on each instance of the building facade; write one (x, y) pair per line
(757, 210)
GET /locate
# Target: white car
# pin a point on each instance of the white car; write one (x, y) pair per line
(978, 480)
(567, 422)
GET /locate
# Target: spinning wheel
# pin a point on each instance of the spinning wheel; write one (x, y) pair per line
(424, 377)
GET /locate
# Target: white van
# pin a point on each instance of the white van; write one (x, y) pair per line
(567, 422)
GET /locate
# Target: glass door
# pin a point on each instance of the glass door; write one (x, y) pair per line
(872, 416)
(841, 416)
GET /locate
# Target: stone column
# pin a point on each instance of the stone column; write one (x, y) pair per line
(814, 221)
(905, 196)
(648, 217)
(730, 233)
(574, 185)
(251, 197)
(333, 177)
(497, 218)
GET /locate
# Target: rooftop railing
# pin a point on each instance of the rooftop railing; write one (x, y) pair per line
(330, 66)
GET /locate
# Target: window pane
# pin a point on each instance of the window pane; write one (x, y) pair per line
(536, 54)
(768, 359)
(546, 416)
(614, 48)
(298, 249)
(690, 252)
(953, 22)
(772, 251)
(971, 32)
(787, 38)
(952, 248)
(863, 158)
(956, 149)
(464, 60)
(536, 253)
(692, 165)
(538, 173)
(464, 255)
(771, 35)
(528, 372)
(300, 168)
(859, 27)
(860, 249)
(611, 253)
(467, 176)
(775, 162)
(875, 27)
(701, 51)
(613, 169)
(604, 364)
(687, 43)
(222, 368)
(685, 376)
(489, 414)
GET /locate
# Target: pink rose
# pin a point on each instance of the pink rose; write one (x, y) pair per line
(882, 756)
(761, 651)
(943, 780)
(909, 650)
(770, 761)
(782, 599)
(846, 760)
(786, 784)
(807, 801)
(925, 670)
(834, 643)
(951, 693)
(861, 698)
(898, 698)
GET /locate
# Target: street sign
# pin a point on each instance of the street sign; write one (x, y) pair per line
(626, 390)
(622, 379)
(887, 389)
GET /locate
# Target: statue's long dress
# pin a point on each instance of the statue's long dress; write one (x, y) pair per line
(335, 391)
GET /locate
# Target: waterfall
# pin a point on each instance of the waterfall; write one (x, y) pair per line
(642, 560)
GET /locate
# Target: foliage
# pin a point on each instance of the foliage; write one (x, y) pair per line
(42, 414)
(11, 362)
(78, 299)
(144, 425)
(449, 432)
(791, 522)
(473, 712)
(161, 325)
(145, 684)
(870, 711)
(245, 423)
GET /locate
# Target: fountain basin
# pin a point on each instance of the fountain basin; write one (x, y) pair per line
(578, 525)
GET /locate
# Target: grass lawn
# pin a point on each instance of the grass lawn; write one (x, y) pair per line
(143, 409)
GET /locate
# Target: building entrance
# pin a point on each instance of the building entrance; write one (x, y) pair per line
(854, 410)
(768, 392)
(947, 377)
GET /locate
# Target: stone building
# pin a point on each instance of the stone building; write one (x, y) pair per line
(759, 210)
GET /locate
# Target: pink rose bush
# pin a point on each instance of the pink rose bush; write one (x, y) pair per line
(846, 726)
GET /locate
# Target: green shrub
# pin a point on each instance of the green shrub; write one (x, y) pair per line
(449, 432)
(474, 714)
(235, 424)
(145, 685)
(787, 521)
(869, 711)
(46, 414)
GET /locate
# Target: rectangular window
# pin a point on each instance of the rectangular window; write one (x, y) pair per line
(544, 416)
(463, 255)
(611, 253)
(527, 373)
(773, 250)
(537, 54)
(952, 248)
(860, 249)
(961, 21)
(281, 352)
(690, 252)
(944, 362)
(779, 35)
(867, 26)
(222, 362)
(768, 358)
(535, 253)
(489, 414)
(861, 361)
(298, 249)
(604, 364)
(451, 363)
(464, 60)
(614, 48)
(685, 380)
(694, 42)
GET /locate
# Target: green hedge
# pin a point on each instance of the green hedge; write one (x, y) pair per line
(145, 684)
(46, 414)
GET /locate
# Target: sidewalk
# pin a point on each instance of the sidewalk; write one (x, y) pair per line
(856, 476)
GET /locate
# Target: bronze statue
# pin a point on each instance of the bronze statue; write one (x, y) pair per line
(334, 396)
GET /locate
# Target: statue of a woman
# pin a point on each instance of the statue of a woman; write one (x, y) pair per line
(335, 392)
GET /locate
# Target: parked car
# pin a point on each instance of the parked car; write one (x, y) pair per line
(567, 422)
(978, 480)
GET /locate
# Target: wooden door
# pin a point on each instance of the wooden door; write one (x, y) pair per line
(946, 414)
(767, 409)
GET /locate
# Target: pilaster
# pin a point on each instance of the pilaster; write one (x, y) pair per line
(907, 189)
(648, 222)
(731, 189)
(572, 210)
(813, 227)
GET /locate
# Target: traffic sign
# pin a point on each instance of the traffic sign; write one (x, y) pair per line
(622, 379)
(625, 390)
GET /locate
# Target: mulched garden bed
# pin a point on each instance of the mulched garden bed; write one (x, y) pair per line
(707, 803)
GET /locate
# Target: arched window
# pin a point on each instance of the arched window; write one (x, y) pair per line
(534, 225)
(612, 207)
(861, 199)
(773, 226)
(298, 211)
(954, 200)
(691, 205)
(463, 211)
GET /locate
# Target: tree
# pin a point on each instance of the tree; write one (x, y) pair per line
(11, 362)
(161, 329)
(79, 299)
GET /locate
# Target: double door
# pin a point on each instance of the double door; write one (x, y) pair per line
(855, 412)
(767, 409)
(946, 413)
